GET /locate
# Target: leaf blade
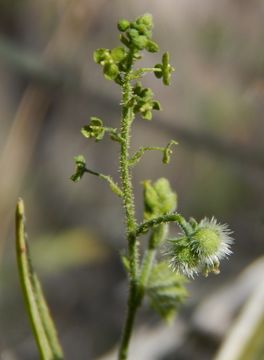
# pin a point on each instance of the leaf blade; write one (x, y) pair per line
(41, 321)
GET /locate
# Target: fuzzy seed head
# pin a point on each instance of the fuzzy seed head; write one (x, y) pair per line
(201, 250)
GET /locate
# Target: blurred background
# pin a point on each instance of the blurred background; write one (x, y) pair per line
(49, 87)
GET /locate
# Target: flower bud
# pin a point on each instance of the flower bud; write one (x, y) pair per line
(152, 46)
(123, 25)
(118, 54)
(159, 199)
(146, 20)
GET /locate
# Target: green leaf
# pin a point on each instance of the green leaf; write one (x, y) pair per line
(41, 321)
(159, 199)
(165, 290)
(80, 168)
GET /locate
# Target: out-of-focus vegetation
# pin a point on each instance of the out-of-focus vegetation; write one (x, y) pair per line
(215, 112)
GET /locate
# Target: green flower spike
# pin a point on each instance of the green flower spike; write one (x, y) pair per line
(202, 249)
(166, 69)
(137, 34)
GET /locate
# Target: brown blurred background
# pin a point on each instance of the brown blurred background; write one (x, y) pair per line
(49, 87)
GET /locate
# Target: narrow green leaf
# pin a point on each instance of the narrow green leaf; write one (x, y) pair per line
(41, 321)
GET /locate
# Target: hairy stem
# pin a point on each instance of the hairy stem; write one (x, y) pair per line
(128, 202)
(177, 218)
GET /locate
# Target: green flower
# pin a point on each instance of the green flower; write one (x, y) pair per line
(144, 103)
(94, 130)
(137, 34)
(164, 69)
(111, 61)
(202, 249)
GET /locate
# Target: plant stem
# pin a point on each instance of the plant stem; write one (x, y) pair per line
(177, 218)
(128, 202)
(130, 318)
(127, 188)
